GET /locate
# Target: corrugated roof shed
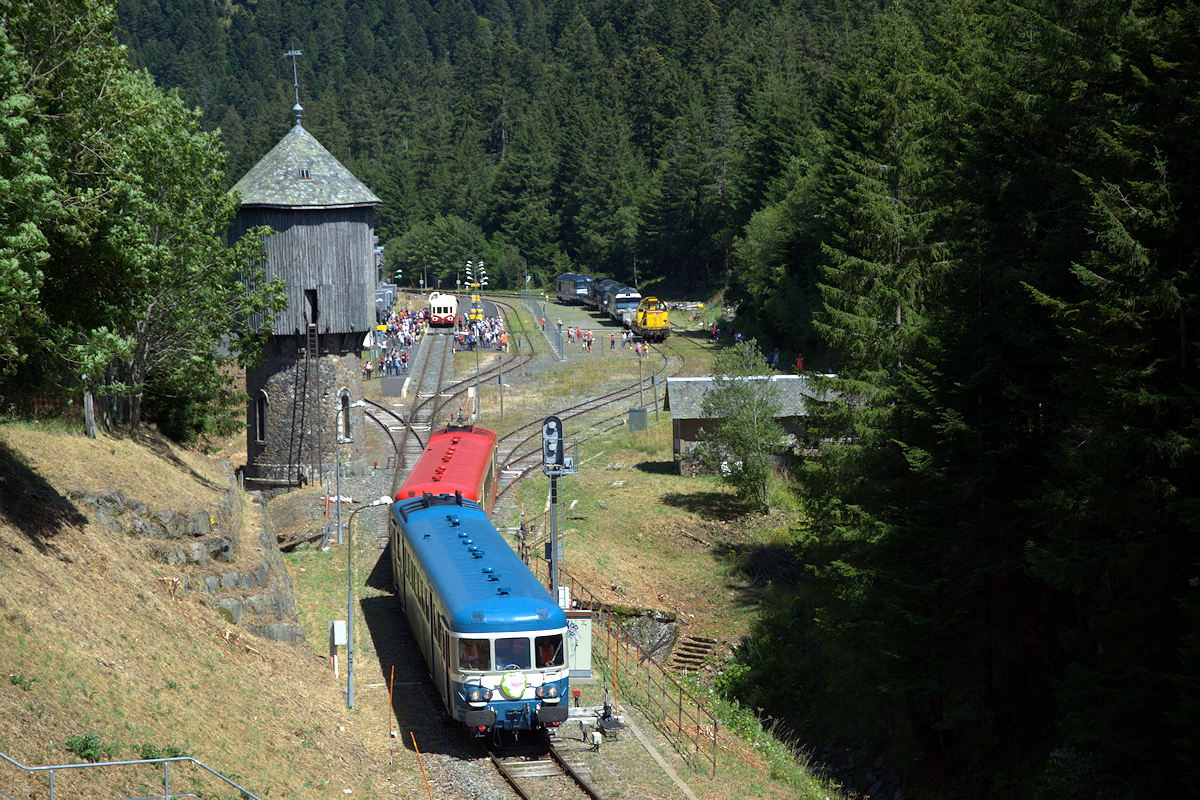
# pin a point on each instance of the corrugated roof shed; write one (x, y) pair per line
(299, 173)
(685, 396)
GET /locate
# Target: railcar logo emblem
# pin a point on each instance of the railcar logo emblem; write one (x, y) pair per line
(512, 684)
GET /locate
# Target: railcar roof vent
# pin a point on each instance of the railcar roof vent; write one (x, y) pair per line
(477, 553)
(452, 519)
(503, 589)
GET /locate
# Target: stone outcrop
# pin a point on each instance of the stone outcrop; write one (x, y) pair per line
(226, 555)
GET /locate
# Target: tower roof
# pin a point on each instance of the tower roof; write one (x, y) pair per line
(300, 173)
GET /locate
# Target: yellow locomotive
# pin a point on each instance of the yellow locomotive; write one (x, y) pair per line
(651, 320)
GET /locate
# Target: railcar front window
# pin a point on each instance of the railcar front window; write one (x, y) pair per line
(512, 653)
(474, 654)
(549, 651)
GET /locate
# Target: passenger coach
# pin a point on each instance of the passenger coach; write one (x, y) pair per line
(458, 458)
(571, 287)
(493, 637)
(443, 310)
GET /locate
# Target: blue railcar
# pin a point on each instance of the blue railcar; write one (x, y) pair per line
(571, 287)
(492, 636)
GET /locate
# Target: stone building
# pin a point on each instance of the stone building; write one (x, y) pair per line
(304, 399)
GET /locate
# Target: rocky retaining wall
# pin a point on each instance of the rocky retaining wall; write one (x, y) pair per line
(228, 558)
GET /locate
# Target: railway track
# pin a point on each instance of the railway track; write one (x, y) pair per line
(524, 454)
(540, 771)
(435, 392)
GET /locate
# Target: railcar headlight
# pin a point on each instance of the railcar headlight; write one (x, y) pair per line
(487, 694)
(552, 691)
(476, 696)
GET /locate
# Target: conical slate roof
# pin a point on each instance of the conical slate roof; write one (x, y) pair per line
(299, 173)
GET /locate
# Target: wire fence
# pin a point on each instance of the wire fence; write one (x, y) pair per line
(550, 330)
(677, 714)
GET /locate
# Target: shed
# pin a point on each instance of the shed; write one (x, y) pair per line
(685, 400)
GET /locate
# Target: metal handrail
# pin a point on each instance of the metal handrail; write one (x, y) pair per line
(166, 762)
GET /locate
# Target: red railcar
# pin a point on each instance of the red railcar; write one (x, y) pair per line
(457, 459)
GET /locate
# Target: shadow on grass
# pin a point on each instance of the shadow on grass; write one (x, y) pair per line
(658, 467)
(381, 574)
(761, 564)
(159, 446)
(708, 505)
(31, 505)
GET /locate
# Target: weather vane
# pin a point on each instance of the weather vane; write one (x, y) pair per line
(296, 109)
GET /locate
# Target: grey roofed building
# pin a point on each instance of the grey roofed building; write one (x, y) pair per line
(299, 173)
(685, 401)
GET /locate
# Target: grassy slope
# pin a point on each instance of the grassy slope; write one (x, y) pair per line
(103, 647)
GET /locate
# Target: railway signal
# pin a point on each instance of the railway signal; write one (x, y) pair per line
(555, 463)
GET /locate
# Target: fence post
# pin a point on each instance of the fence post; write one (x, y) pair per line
(714, 748)
(167, 770)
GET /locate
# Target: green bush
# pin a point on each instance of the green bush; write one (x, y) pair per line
(22, 681)
(88, 747)
(149, 751)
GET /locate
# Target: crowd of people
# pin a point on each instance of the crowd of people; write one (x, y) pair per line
(403, 331)
(487, 333)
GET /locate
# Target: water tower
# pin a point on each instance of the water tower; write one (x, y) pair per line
(304, 398)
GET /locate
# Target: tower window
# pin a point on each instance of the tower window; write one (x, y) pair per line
(345, 416)
(304, 176)
(260, 418)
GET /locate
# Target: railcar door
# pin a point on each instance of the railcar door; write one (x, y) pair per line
(443, 658)
(397, 544)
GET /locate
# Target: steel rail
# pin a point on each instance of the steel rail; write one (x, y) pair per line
(565, 770)
(573, 775)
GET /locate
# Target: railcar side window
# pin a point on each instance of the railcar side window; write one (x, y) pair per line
(549, 651)
(512, 653)
(474, 654)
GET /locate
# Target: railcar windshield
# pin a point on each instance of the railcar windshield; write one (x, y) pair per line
(549, 651)
(474, 654)
(512, 653)
(627, 305)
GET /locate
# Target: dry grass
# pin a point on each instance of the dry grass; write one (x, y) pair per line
(97, 644)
